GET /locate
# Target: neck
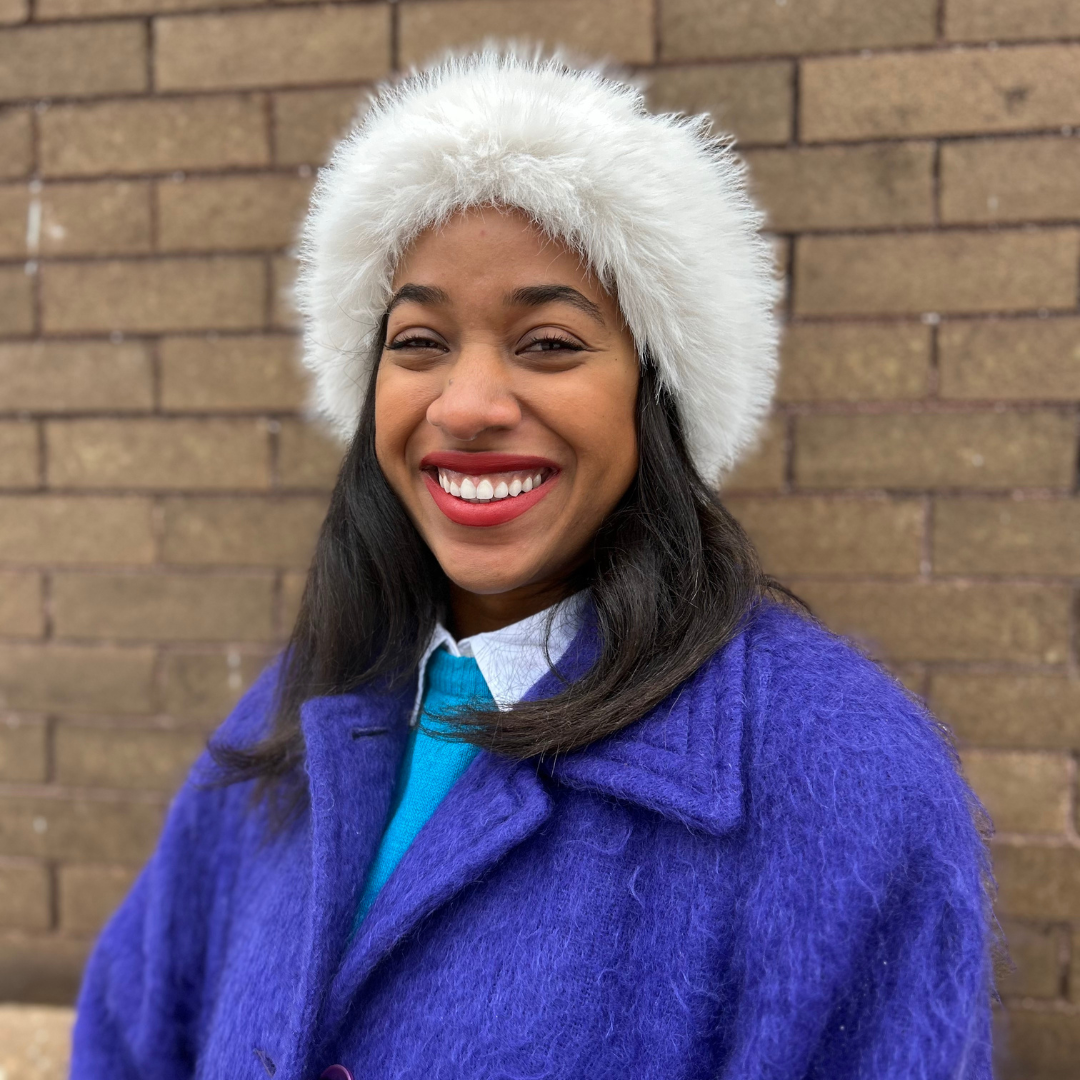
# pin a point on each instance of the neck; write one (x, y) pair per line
(473, 613)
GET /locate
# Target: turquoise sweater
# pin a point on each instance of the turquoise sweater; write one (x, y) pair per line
(431, 765)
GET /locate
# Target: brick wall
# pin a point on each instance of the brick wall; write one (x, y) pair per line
(159, 492)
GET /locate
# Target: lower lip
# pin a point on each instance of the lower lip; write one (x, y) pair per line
(495, 512)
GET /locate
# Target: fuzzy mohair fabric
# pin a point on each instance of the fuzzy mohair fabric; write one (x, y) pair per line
(655, 205)
(775, 875)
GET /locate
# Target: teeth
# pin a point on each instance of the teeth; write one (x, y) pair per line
(488, 489)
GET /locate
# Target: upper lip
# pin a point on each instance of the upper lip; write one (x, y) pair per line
(476, 462)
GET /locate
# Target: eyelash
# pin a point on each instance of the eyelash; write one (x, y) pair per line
(426, 342)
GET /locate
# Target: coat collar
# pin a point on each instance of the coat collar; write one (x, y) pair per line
(683, 758)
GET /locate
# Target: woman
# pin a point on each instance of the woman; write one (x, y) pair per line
(547, 783)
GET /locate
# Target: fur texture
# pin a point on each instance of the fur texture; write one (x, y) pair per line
(655, 205)
(775, 875)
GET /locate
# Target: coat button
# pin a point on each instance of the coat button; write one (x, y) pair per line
(336, 1072)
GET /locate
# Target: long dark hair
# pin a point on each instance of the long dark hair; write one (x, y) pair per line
(671, 577)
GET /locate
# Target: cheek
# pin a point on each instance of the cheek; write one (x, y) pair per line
(400, 408)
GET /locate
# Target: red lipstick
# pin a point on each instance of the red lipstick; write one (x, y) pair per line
(478, 463)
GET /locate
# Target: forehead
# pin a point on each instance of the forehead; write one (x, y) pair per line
(490, 247)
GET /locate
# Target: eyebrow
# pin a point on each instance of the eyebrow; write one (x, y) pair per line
(538, 295)
(418, 294)
(526, 296)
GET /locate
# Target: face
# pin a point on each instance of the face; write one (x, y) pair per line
(504, 403)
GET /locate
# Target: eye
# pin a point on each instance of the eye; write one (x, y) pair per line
(550, 343)
(415, 341)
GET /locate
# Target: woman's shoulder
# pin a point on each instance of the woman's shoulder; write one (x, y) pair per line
(826, 723)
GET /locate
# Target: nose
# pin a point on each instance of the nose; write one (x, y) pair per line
(476, 396)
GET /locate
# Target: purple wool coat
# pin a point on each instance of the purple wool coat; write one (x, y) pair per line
(774, 874)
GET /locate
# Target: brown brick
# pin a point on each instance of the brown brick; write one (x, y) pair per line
(154, 135)
(1007, 536)
(136, 758)
(283, 315)
(833, 535)
(89, 894)
(950, 271)
(261, 373)
(702, 28)
(24, 895)
(1024, 791)
(273, 532)
(844, 187)
(152, 453)
(1039, 1045)
(14, 207)
(955, 92)
(76, 678)
(1010, 180)
(51, 529)
(21, 611)
(79, 9)
(1035, 955)
(1038, 882)
(205, 686)
(231, 213)
(308, 122)
(292, 591)
(854, 362)
(1023, 711)
(947, 621)
(308, 457)
(72, 61)
(105, 830)
(291, 47)
(105, 218)
(1011, 359)
(935, 450)
(57, 376)
(14, 11)
(22, 749)
(19, 466)
(44, 969)
(16, 147)
(165, 607)
(754, 102)
(1006, 20)
(763, 469)
(620, 29)
(16, 301)
(145, 296)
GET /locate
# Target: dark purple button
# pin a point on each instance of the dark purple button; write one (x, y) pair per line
(336, 1072)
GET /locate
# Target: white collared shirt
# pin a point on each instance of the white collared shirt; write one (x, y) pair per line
(511, 659)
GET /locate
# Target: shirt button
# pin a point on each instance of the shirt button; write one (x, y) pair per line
(336, 1072)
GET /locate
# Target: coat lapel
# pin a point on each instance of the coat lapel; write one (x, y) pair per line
(354, 745)
(495, 806)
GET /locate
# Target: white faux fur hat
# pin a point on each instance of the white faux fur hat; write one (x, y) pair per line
(654, 204)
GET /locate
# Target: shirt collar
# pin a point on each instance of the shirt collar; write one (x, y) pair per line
(513, 658)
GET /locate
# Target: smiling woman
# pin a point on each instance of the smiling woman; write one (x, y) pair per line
(508, 374)
(551, 780)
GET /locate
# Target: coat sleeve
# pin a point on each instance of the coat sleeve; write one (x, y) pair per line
(864, 939)
(148, 987)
